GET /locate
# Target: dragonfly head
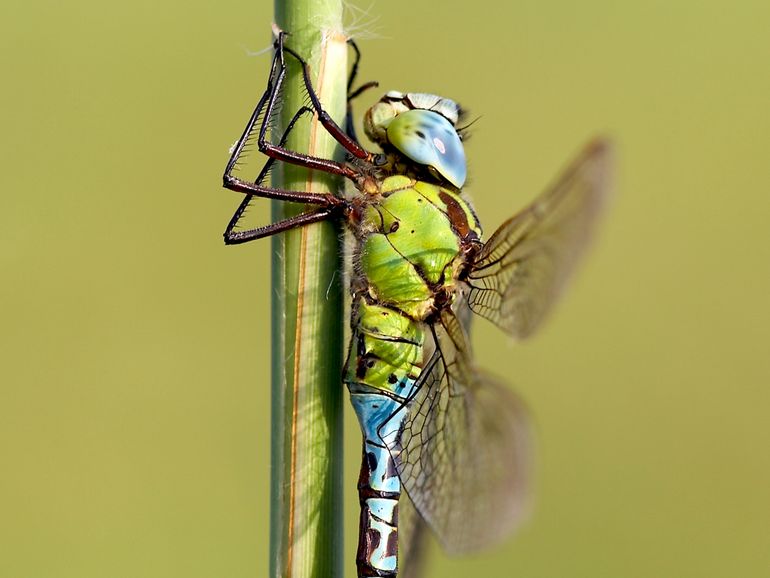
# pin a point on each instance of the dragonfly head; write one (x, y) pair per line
(422, 127)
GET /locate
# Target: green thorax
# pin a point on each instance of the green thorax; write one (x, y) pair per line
(410, 240)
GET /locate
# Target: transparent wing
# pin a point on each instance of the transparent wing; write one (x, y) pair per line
(411, 539)
(463, 449)
(523, 267)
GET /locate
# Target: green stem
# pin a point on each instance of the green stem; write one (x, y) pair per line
(306, 477)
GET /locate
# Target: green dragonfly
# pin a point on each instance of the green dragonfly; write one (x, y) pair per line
(449, 435)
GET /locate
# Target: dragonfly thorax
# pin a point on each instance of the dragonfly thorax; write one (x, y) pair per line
(411, 245)
(422, 128)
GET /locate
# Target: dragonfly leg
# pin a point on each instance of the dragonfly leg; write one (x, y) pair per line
(347, 142)
(266, 109)
(331, 205)
(256, 188)
(349, 126)
(237, 237)
(354, 73)
(353, 69)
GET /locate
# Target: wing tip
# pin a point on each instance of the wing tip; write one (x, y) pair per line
(600, 144)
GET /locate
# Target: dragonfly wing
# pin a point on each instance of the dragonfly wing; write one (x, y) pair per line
(520, 271)
(463, 448)
(411, 539)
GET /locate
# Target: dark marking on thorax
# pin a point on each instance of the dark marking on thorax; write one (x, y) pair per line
(457, 216)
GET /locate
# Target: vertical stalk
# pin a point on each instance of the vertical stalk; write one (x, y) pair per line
(306, 452)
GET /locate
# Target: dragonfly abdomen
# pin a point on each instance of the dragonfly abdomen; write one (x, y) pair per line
(386, 357)
(379, 489)
(409, 246)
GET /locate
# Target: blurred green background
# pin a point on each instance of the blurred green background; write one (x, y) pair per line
(134, 386)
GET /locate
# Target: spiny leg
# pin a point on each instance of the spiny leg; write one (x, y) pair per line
(349, 126)
(241, 144)
(280, 153)
(356, 61)
(237, 237)
(331, 205)
(347, 142)
(256, 188)
(354, 73)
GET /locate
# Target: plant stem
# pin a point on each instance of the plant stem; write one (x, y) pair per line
(306, 455)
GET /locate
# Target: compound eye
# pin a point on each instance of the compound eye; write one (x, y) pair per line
(429, 139)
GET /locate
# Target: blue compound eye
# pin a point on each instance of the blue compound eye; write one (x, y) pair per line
(429, 139)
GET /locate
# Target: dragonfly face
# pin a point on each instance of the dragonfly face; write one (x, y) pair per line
(422, 127)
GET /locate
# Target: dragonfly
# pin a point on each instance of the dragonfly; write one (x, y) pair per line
(442, 438)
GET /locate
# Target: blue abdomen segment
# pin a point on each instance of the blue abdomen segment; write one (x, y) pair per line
(378, 416)
(378, 539)
(379, 486)
(384, 362)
